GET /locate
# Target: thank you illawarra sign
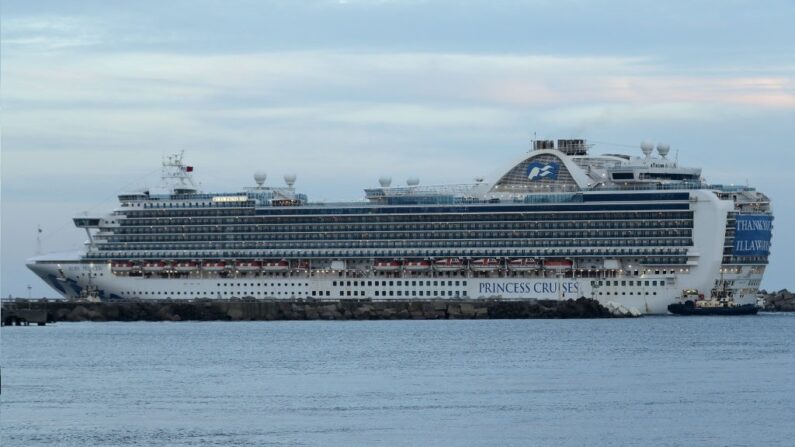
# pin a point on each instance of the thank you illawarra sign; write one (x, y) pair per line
(752, 235)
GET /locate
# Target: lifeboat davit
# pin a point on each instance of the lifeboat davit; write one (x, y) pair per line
(122, 266)
(248, 266)
(484, 264)
(276, 266)
(558, 264)
(186, 266)
(213, 266)
(522, 264)
(448, 265)
(417, 266)
(155, 266)
(303, 265)
(386, 266)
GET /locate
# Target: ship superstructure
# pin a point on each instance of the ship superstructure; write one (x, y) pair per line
(556, 223)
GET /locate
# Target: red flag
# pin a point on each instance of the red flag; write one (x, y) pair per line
(188, 168)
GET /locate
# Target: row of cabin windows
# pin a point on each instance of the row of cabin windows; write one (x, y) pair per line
(556, 219)
(358, 293)
(199, 226)
(398, 283)
(627, 293)
(631, 283)
(485, 243)
(412, 235)
(401, 293)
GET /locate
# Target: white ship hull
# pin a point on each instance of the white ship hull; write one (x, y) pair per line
(71, 278)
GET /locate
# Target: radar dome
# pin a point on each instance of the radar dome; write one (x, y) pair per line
(413, 181)
(260, 177)
(647, 147)
(289, 179)
(385, 181)
(663, 149)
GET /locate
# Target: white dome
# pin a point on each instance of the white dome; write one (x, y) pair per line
(385, 181)
(647, 147)
(260, 177)
(413, 181)
(289, 179)
(663, 149)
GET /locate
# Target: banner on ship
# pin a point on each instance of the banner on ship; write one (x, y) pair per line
(752, 235)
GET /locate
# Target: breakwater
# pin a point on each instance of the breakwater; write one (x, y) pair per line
(271, 310)
(781, 301)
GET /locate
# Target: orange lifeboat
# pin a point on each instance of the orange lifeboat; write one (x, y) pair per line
(417, 266)
(186, 266)
(213, 266)
(448, 265)
(484, 265)
(522, 264)
(276, 266)
(558, 264)
(248, 266)
(155, 266)
(122, 266)
(386, 266)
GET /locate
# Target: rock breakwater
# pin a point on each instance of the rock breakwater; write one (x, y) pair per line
(271, 310)
(781, 301)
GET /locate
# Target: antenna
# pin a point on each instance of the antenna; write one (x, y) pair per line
(38, 239)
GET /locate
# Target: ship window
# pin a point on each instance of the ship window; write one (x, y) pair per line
(654, 283)
(662, 283)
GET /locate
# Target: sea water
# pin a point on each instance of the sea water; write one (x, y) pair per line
(675, 381)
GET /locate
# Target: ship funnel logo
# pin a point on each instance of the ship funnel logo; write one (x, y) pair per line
(539, 171)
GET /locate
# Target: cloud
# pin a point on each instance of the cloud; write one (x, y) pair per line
(50, 33)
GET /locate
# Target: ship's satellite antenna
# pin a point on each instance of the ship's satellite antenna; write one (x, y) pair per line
(385, 181)
(647, 147)
(663, 149)
(260, 177)
(413, 181)
(289, 179)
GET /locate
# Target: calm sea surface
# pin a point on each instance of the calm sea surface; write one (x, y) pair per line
(650, 381)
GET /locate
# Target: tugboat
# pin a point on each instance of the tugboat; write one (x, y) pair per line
(720, 302)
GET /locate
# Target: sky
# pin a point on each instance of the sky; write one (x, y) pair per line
(339, 93)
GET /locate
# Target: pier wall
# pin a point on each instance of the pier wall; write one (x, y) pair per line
(271, 310)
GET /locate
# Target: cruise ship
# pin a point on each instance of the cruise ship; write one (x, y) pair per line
(556, 223)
